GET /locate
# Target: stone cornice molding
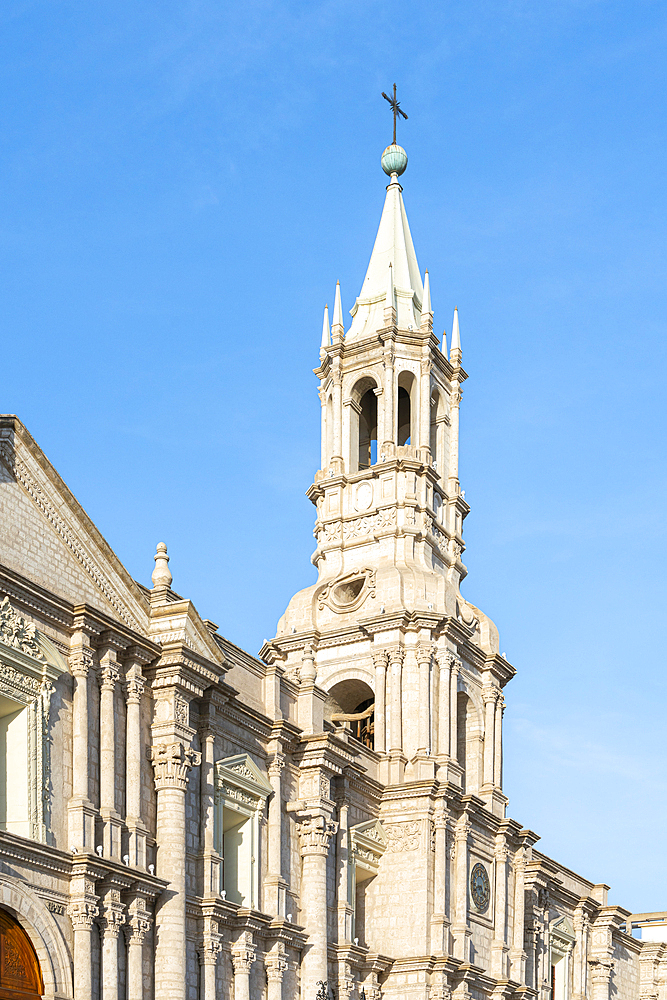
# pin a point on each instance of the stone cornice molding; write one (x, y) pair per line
(171, 764)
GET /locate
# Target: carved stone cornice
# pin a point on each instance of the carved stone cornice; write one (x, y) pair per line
(171, 764)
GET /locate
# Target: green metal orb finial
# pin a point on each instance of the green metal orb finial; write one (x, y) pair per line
(394, 160)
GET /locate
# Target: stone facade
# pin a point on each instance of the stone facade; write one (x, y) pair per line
(183, 821)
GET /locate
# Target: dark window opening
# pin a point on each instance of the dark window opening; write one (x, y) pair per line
(368, 430)
(404, 416)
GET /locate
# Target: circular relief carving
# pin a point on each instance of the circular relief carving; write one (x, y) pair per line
(480, 887)
(364, 496)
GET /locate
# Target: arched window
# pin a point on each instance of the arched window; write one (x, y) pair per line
(368, 430)
(352, 704)
(467, 742)
(404, 408)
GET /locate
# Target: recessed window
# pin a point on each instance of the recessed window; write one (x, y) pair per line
(347, 592)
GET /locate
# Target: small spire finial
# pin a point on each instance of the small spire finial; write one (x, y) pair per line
(427, 312)
(161, 576)
(455, 354)
(338, 328)
(326, 330)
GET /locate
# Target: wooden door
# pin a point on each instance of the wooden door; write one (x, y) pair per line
(20, 975)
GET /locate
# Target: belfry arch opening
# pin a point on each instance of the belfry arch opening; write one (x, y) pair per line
(368, 429)
(351, 704)
(404, 409)
(467, 742)
(20, 973)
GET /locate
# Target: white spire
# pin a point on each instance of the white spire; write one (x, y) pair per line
(427, 312)
(393, 245)
(326, 331)
(455, 349)
(389, 301)
(338, 328)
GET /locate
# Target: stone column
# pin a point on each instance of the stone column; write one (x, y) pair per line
(133, 761)
(345, 910)
(517, 954)
(499, 946)
(172, 763)
(389, 432)
(243, 955)
(209, 953)
(138, 925)
(580, 923)
(315, 833)
(82, 912)
(337, 395)
(424, 654)
(211, 861)
(460, 930)
(453, 707)
(110, 818)
(276, 966)
(444, 663)
(489, 693)
(396, 664)
(380, 717)
(81, 812)
(440, 923)
(275, 885)
(112, 920)
(498, 763)
(425, 408)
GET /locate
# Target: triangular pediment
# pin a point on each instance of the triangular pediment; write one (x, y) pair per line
(74, 561)
(241, 770)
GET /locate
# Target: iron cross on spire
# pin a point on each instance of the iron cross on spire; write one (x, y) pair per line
(396, 108)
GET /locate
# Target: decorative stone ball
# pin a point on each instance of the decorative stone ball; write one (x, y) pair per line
(394, 160)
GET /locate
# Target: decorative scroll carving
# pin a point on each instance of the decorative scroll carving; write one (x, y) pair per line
(403, 836)
(172, 763)
(17, 632)
(181, 710)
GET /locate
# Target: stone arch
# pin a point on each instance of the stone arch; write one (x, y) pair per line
(23, 903)
(362, 422)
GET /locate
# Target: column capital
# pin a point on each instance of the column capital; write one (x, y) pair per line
(396, 655)
(275, 963)
(490, 693)
(139, 921)
(135, 685)
(380, 659)
(276, 765)
(315, 834)
(80, 661)
(244, 953)
(210, 949)
(110, 675)
(172, 763)
(424, 652)
(462, 829)
(82, 913)
(113, 913)
(446, 658)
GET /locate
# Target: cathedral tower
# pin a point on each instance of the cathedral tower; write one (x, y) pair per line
(384, 643)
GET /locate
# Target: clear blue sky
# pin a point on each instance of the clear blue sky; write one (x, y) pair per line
(183, 183)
